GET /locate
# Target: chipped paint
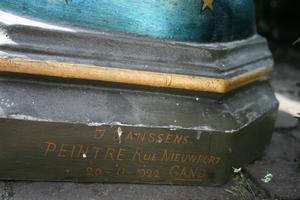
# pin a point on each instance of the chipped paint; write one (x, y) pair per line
(198, 136)
(120, 132)
(27, 117)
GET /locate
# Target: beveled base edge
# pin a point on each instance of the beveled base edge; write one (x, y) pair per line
(129, 76)
(42, 123)
(124, 51)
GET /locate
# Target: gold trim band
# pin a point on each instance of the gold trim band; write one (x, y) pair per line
(136, 77)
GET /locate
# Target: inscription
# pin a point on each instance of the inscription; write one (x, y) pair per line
(163, 138)
(99, 133)
(83, 151)
(191, 158)
(90, 171)
(121, 171)
(144, 137)
(118, 154)
(148, 173)
(180, 173)
(128, 154)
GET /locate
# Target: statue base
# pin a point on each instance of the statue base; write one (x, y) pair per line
(92, 106)
(71, 132)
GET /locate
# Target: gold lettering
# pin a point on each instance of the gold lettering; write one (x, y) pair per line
(90, 171)
(154, 157)
(148, 173)
(156, 173)
(142, 137)
(51, 147)
(211, 160)
(151, 139)
(137, 155)
(147, 156)
(178, 138)
(98, 172)
(186, 140)
(115, 136)
(166, 155)
(177, 157)
(184, 158)
(97, 150)
(217, 160)
(192, 157)
(129, 136)
(170, 156)
(120, 171)
(182, 173)
(120, 155)
(160, 137)
(193, 172)
(82, 151)
(200, 159)
(99, 133)
(73, 150)
(168, 139)
(109, 154)
(62, 151)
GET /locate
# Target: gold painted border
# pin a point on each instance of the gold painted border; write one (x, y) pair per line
(128, 76)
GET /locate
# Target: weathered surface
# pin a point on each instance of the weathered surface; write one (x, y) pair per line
(283, 155)
(219, 129)
(121, 51)
(281, 160)
(284, 81)
(51, 191)
(129, 136)
(6, 190)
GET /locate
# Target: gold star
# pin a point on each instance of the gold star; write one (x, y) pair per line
(208, 4)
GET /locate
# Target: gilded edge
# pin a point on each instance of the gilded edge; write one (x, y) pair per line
(128, 76)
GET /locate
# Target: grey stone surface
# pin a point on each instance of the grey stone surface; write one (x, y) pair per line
(286, 181)
(286, 120)
(6, 190)
(283, 147)
(281, 160)
(285, 77)
(52, 190)
(2, 191)
(296, 134)
(139, 53)
(282, 157)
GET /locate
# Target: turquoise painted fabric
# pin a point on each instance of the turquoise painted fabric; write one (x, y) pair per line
(182, 20)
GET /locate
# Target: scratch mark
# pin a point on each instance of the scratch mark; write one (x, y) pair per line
(199, 133)
(120, 132)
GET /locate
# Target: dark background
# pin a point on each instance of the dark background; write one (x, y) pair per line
(279, 21)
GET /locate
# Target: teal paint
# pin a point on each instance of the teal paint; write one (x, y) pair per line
(182, 20)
